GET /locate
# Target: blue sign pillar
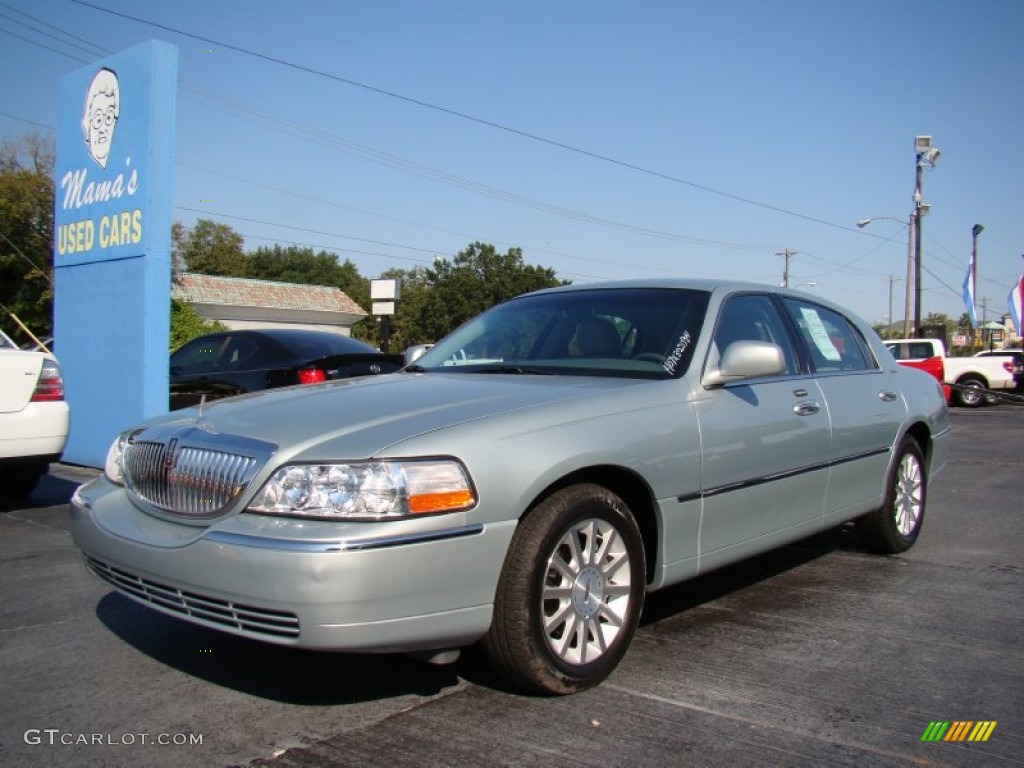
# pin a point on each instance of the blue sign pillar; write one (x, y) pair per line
(112, 243)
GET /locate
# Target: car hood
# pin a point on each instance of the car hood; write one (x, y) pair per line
(362, 418)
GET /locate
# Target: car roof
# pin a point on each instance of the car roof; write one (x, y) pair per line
(699, 284)
(298, 336)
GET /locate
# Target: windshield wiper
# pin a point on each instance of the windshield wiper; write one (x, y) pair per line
(513, 369)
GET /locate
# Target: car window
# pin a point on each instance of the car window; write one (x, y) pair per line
(834, 344)
(910, 350)
(239, 354)
(753, 317)
(198, 355)
(648, 333)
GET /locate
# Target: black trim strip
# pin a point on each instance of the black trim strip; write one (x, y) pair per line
(756, 481)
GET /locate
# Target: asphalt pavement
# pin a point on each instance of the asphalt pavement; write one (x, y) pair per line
(815, 654)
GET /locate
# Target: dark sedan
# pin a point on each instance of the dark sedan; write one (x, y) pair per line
(235, 362)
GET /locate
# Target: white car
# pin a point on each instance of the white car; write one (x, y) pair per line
(33, 417)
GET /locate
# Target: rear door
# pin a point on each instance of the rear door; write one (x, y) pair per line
(863, 402)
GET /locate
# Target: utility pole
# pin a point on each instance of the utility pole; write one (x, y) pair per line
(917, 251)
(785, 270)
(910, 275)
(892, 279)
(926, 155)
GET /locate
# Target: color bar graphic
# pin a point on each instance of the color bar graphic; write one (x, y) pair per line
(959, 730)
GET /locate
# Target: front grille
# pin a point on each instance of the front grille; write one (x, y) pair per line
(259, 621)
(189, 481)
(190, 472)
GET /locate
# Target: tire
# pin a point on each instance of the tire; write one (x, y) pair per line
(16, 482)
(972, 397)
(570, 594)
(894, 527)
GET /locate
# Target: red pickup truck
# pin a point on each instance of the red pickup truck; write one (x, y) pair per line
(935, 367)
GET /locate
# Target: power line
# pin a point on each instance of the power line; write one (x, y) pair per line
(65, 33)
(43, 32)
(30, 122)
(397, 245)
(428, 172)
(465, 116)
(45, 272)
(332, 141)
(46, 47)
(319, 136)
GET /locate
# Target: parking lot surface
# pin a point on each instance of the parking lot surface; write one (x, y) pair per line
(815, 654)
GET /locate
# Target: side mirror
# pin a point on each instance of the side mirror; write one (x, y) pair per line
(412, 354)
(746, 360)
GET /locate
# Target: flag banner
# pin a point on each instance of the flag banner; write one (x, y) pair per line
(969, 292)
(1014, 302)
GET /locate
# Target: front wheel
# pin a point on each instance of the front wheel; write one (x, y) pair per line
(571, 591)
(894, 527)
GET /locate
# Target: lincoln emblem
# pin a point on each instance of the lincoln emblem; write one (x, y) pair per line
(170, 455)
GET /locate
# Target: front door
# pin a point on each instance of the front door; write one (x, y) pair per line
(765, 442)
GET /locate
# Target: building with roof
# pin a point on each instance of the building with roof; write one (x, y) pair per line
(242, 303)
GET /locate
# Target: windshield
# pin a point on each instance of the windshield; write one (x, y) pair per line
(635, 332)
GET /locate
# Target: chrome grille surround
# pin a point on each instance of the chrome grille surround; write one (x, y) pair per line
(188, 471)
(201, 608)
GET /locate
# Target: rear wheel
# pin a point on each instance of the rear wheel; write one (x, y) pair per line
(971, 394)
(570, 594)
(16, 482)
(894, 527)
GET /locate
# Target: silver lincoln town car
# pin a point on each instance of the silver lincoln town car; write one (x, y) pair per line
(526, 481)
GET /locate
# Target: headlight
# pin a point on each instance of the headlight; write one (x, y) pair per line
(366, 490)
(113, 467)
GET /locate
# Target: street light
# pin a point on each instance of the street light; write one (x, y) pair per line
(861, 223)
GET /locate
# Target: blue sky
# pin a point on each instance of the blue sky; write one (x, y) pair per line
(607, 139)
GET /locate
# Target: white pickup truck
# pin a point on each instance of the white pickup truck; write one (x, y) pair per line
(969, 376)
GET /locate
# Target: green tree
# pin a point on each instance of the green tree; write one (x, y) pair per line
(476, 279)
(26, 231)
(291, 264)
(209, 248)
(186, 324)
(939, 319)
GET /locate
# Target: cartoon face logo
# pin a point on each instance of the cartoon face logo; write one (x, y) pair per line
(99, 118)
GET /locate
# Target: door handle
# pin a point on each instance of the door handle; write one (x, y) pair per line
(806, 408)
(887, 396)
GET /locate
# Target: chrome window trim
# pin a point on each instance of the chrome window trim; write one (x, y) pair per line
(342, 545)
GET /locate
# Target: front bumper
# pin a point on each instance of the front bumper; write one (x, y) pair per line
(391, 587)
